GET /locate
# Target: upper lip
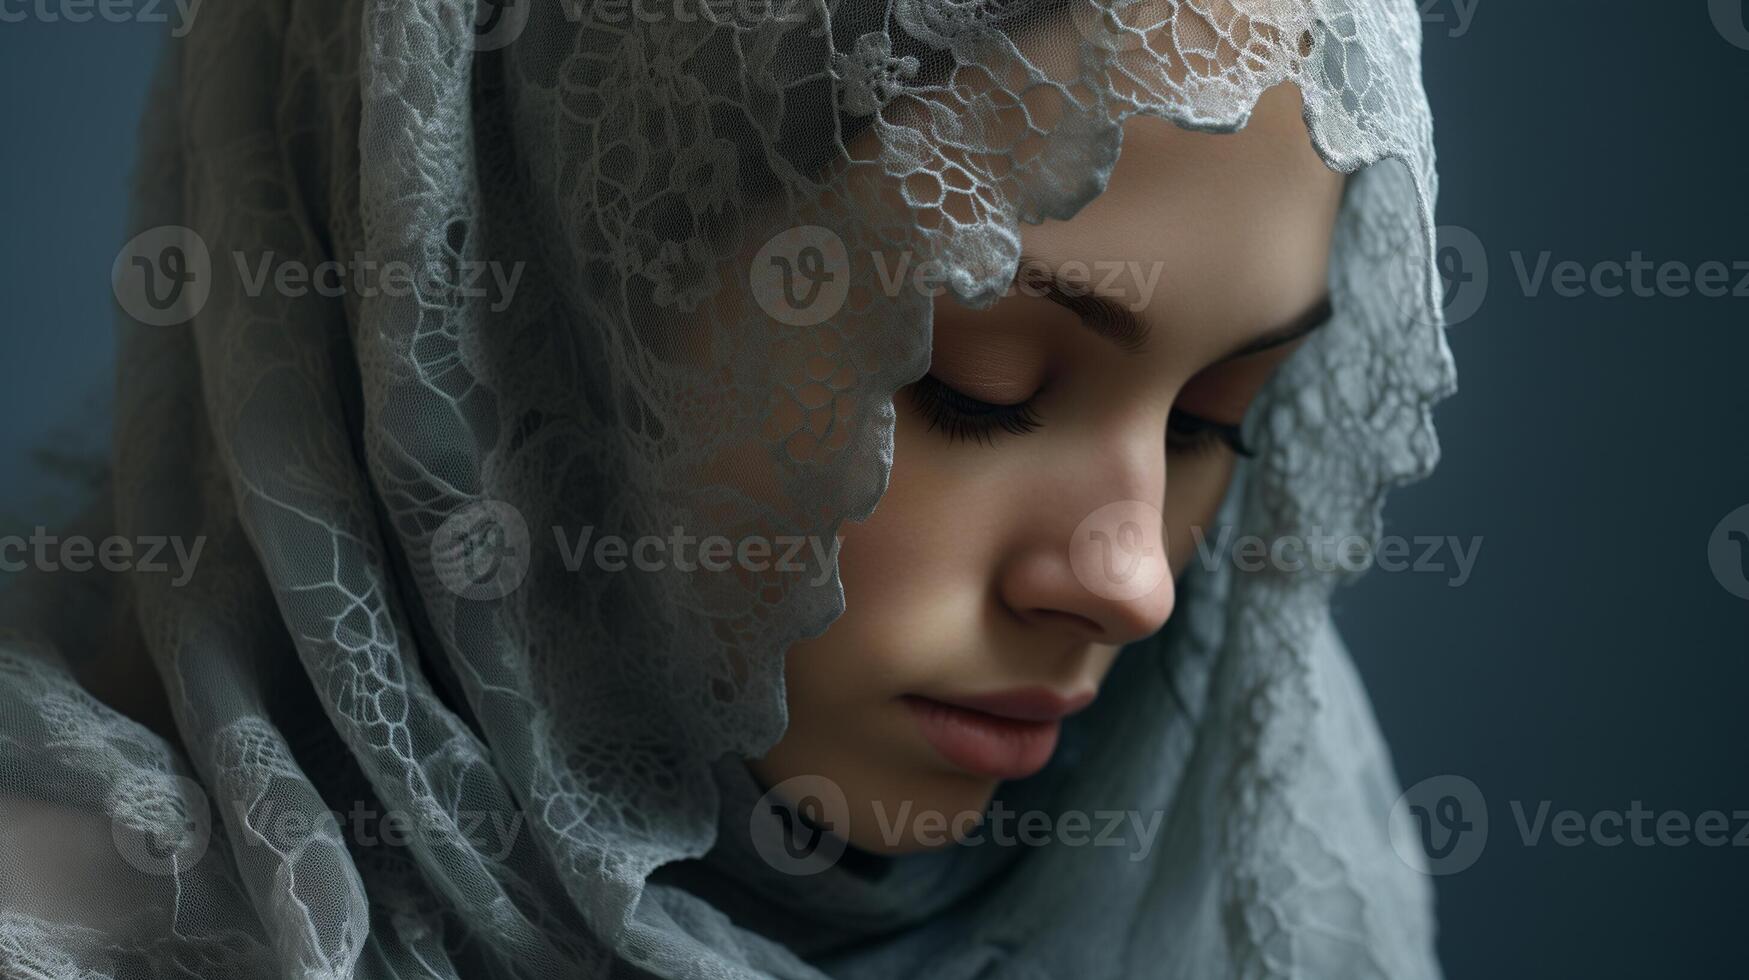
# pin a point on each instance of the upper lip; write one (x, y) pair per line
(1023, 704)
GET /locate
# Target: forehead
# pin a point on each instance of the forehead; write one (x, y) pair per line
(1228, 231)
(1232, 230)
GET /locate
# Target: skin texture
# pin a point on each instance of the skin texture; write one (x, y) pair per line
(962, 581)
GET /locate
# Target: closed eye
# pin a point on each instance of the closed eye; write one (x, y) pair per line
(1193, 435)
(960, 416)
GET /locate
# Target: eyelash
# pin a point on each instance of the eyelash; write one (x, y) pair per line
(960, 416)
(1199, 435)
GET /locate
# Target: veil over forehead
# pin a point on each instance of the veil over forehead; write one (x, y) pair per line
(609, 212)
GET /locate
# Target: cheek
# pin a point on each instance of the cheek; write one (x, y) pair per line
(913, 575)
(1194, 492)
(917, 573)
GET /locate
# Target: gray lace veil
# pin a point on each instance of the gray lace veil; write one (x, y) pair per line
(409, 738)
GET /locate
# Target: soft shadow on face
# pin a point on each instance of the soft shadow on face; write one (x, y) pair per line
(970, 626)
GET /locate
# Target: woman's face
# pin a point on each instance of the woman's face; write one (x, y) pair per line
(1048, 471)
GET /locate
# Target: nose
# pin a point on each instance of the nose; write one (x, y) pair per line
(1093, 564)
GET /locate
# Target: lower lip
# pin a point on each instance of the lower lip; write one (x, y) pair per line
(986, 744)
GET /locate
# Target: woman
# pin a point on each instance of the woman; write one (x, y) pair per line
(546, 623)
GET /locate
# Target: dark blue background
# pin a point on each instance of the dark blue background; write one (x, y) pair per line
(1591, 660)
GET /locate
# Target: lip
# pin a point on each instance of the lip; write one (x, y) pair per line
(1010, 735)
(1024, 704)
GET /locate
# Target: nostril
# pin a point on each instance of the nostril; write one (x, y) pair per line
(1064, 617)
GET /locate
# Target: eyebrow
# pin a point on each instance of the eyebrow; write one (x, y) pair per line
(1103, 315)
(1119, 325)
(1309, 320)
